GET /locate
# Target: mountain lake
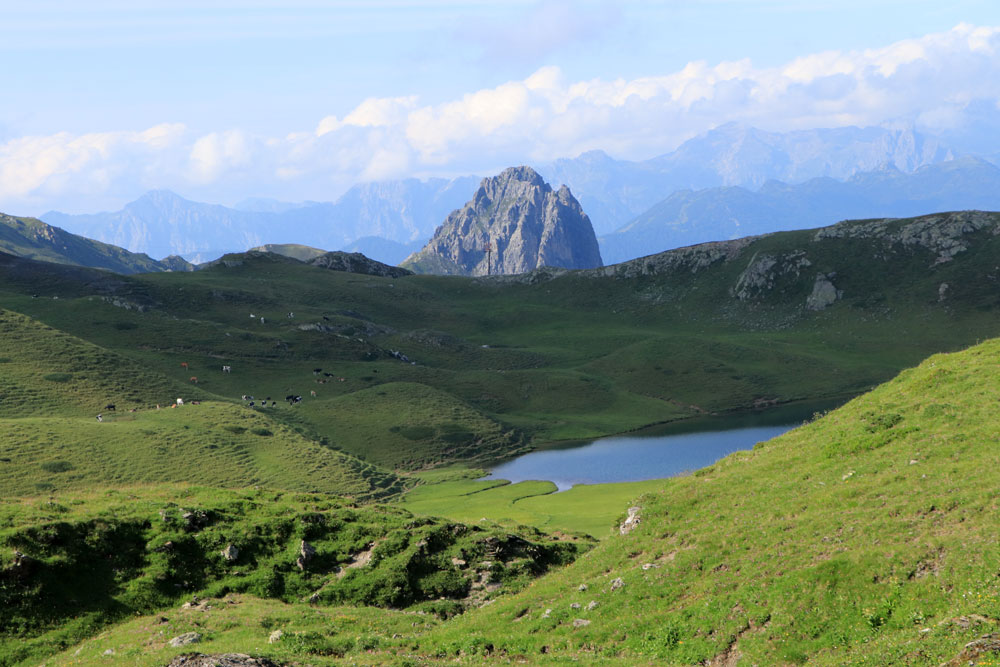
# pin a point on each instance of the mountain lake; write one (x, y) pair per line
(656, 452)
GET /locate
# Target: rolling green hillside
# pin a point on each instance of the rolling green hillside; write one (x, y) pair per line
(84, 561)
(867, 537)
(33, 239)
(551, 355)
(52, 386)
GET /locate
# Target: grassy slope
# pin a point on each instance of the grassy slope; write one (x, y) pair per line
(590, 509)
(52, 385)
(96, 558)
(867, 537)
(34, 239)
(573, 357)
(862, 538)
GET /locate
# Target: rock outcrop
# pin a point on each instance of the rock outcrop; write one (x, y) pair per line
(355, 262)
(515, 223)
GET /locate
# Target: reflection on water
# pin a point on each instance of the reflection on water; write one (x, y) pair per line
(664, 452)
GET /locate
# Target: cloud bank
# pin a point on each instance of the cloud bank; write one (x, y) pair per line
(931, 81)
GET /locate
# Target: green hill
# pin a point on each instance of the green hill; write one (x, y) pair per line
(84, 561)
(33, 239)
(52, 385)
(554, 355)
(866, 537)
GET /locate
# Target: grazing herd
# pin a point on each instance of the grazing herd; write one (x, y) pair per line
(248, 399)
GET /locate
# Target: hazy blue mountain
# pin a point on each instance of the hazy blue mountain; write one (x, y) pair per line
(687, 217)
(615, 191)
(267, 205)
(162, 223)
(384, 250)
(612, 192)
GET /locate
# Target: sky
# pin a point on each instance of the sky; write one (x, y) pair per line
(222, 101)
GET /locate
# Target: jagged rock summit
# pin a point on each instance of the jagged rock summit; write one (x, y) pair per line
(514, 223)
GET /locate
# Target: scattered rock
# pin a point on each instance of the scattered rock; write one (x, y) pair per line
(649, 566)
(220, 660)
(230, 553)
(580, 622)
(592, 605)
(943, 291)
(110, 651)
(458, 562)
(548, 612)
(275, 637)
(575, 605)
(631, 521)
(975, 650)
(185, 639)
(617, 583)
(195, 519)
(582, 587)
(306, 553)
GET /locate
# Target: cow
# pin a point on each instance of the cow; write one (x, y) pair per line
(110, 406)
(227, 369)
(184, 364)
(194, 379)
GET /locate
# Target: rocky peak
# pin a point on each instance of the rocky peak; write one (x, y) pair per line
(514, 223)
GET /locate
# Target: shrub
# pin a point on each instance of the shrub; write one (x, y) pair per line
(57, 466)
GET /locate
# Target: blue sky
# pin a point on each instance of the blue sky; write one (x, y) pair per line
(223, 100)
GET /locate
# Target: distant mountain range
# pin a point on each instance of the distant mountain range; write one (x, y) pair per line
(687, 217)
(613, 192)
(389, 220)
(161, 223)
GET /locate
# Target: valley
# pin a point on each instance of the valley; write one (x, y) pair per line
(379, 397)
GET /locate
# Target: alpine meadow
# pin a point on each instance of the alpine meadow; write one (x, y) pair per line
(419, 333)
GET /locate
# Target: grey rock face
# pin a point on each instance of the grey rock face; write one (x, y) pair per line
(230, 553)
(824, 293)
(514, 223)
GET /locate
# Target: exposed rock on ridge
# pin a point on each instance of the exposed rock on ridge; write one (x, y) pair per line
(522, 220)
(820, 269)
(355, 262)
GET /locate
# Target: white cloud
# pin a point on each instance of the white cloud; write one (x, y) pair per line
(932, 80)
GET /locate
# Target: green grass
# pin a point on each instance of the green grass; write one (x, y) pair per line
(406, 425)
(216, 444)
(243, 624)
(92, 559)
(590, 509)
(863, 538)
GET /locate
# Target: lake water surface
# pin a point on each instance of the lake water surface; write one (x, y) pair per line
(653, 454)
